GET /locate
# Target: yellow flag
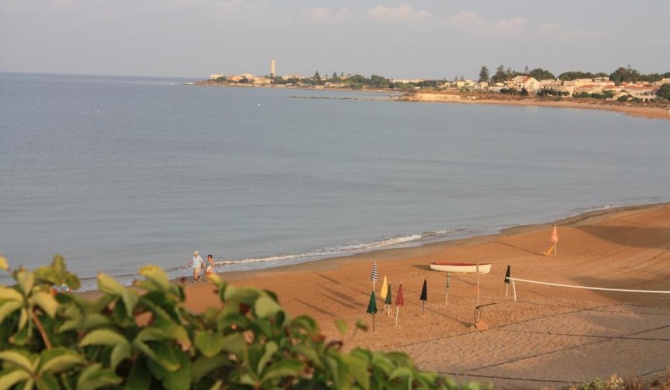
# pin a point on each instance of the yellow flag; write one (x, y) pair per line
(385, 288)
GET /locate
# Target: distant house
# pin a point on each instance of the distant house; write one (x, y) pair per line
(247, 77)
(497, 87)
(407, 81)
(646, 93)
(529, 83)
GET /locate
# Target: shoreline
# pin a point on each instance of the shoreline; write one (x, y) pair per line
(640, 111)
(626, 247)
(644, 110)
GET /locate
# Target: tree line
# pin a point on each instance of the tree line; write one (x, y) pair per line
(619, 76)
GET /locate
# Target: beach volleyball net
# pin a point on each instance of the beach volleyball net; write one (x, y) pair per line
(535, 291)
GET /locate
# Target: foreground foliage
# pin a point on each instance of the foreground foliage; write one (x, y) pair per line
(144, 337)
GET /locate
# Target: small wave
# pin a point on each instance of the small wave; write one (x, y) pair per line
(341, 250)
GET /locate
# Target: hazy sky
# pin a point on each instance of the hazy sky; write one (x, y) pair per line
(394, 39)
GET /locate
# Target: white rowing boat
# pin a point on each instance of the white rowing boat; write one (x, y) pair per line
(461, 268)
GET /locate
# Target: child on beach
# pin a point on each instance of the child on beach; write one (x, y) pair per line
(210, 265)
(196, 264)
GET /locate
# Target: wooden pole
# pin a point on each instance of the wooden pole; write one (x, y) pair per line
(477, 282)
(446, 300)
(514, 289)
(397, 309)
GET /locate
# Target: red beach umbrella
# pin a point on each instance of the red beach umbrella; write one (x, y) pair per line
(399, 301)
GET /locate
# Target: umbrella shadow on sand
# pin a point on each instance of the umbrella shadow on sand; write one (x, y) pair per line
(316, 308)
(342, 296)
(340, 301)
(334, 281)
(520, 248)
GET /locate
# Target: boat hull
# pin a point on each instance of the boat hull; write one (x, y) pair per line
(461, 268)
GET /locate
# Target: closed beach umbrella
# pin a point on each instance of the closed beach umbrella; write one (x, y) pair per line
(554, 239)
(388, 300)
(507, 276)
(424, 294)
(374, 274)
(372, 308)
(384, 290)
(399, 301)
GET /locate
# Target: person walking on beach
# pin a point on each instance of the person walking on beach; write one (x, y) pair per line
(196, 264)
(210, 266)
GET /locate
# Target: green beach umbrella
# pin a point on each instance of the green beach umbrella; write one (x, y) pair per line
(372, 308)
(388, 300)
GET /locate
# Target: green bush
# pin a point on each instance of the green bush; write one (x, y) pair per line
(144, 337)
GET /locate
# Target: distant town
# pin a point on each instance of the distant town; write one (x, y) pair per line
(625, 84)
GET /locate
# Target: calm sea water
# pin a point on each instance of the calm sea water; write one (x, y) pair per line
(116, 172)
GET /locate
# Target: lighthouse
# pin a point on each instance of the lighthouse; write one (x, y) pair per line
(272, 70)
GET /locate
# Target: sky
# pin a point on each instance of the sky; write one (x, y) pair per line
(429, 39)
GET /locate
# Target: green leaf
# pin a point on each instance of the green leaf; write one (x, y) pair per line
(269, 350)
(358, 369)
(4, 265)
(306, 323)
(95, 377)
(25, 280)
(234, 343)
(283, 368)
(109, 285)
(339, 370)
(59, 359)
(18, 359)
(9, 379)
(265, 307)
(204, 365)
(156, 275)
(10, 294)
(47, 302)
(361, 325)
(140, 376)
(341, 326)
(160, 353)
(121, 350)
(23, 336)
(102, 337)
(402, 372)
(47, 381)
(179, 379)
(209, 343)
(8, 307)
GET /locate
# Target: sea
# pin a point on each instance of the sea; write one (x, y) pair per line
(114, 173)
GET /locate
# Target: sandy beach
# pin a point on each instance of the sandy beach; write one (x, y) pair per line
(550, 338)
(649, 110)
